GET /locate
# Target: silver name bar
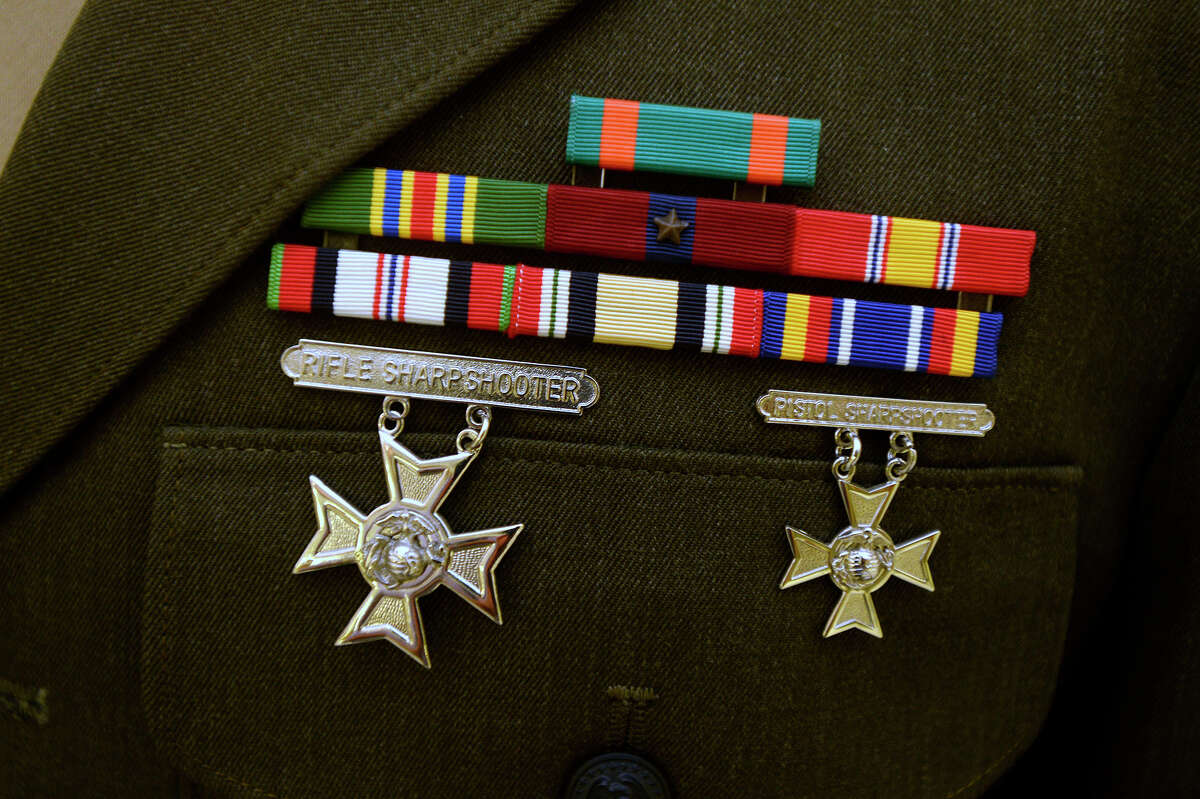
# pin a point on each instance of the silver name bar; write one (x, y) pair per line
(431, 375)
(875, 413)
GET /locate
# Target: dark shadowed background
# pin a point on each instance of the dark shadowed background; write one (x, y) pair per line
(155, 459)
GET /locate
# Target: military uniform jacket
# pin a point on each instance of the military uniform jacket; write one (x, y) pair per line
(152, 639)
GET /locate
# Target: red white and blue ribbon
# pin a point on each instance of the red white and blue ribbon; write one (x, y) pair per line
(634, 311)
(767, 237)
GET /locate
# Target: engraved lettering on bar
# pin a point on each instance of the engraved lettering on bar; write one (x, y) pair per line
(431, 375)
(875, 413)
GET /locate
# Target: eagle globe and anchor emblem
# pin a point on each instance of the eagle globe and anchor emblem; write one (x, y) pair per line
(403, 548)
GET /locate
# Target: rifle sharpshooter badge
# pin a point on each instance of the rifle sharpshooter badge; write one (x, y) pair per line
(862, 557)
(404, 549)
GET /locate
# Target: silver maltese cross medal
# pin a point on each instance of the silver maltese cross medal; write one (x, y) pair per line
(404, 549)
(862, 557)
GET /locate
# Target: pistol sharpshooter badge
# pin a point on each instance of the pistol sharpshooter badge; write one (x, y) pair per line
(862, 557)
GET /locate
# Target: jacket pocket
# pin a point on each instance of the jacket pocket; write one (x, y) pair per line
(646, 567)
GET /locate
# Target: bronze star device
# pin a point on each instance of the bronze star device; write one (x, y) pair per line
(862, 557)
(671, 227)
(404, 548)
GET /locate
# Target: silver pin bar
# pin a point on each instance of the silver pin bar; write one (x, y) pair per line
(430, 375)
(875, 413)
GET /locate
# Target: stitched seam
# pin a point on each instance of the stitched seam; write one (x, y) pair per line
(631, 469)
(168, 610)
(252, 788)
(177, 445)
(629, 709)
(784, 480)
(168, 613)
(995, 764)
(549, 462)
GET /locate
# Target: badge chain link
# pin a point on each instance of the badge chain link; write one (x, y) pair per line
(395, 410)
(847, 450)
(902, 456)
(470, 439)
(479, 420)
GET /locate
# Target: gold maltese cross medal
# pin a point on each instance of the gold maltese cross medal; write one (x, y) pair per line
(862, 557)
(404, 549)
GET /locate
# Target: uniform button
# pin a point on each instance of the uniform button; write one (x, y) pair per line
(618, 775)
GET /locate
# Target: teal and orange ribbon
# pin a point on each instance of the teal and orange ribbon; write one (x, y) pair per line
(630, 135)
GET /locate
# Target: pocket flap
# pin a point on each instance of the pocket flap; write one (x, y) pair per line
(645, 567)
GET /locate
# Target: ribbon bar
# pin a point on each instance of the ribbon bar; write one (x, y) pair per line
(634, 311)
(629, 135)
(642, 226)
(430, 375)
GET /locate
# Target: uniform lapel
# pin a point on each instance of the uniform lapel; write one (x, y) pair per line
(169, 141)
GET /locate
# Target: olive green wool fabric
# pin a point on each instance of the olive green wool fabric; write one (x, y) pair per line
(156, 460)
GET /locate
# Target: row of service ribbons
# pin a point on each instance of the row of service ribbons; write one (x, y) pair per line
(616, 309)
